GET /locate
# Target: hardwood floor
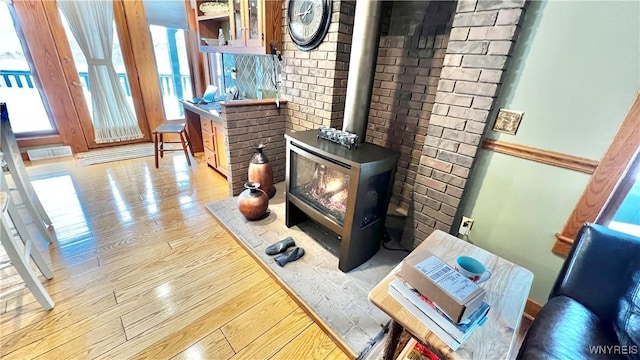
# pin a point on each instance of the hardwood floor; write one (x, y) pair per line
(141, 270)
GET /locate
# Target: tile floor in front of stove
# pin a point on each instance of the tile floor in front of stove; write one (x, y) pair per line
(339, 299)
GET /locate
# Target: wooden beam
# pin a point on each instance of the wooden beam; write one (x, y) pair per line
(605, 178)
(145, 65)
(570, 162)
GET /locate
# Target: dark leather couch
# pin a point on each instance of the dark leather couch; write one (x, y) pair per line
(584, 304)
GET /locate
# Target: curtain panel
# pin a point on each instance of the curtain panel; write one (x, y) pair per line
(91, 23)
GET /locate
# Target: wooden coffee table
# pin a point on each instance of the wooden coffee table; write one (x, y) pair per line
(506, 292)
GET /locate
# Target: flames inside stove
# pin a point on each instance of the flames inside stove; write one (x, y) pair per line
(326, 188)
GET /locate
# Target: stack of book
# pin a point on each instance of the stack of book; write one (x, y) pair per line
(450, 332)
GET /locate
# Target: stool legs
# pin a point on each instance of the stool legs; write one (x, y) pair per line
(161, 145)
(14, 215)
(159, 142)
(155, 147)
(184, 146)
(46, 231)
(20, 255)
(186, 137)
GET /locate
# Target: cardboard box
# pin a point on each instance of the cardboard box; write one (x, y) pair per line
(452, 292)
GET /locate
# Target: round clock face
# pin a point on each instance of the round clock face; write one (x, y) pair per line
(308, 22)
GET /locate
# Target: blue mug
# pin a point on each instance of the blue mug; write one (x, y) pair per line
(472, 269)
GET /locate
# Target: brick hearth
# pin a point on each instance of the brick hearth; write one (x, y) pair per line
(337, 301)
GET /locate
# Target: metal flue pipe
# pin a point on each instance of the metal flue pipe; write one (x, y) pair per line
(362, 66)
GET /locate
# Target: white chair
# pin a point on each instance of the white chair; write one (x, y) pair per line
(9, 147)
(21, 252)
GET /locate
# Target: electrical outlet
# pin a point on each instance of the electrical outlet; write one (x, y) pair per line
(465, 226)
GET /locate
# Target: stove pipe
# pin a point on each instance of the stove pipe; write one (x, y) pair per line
(362, 66)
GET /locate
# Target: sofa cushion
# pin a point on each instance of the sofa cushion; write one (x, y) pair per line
(627, 325)
(565, 329)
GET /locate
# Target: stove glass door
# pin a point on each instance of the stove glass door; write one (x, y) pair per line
(325, 188)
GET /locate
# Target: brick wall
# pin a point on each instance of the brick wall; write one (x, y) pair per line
(248, 126)
(438, 72)
(477, 54)
(315, 82)
(410, 59)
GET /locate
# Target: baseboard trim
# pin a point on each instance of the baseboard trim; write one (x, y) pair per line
(531, 309)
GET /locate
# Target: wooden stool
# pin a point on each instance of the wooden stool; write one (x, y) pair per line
(170, 129)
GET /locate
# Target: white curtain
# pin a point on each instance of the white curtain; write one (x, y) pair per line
(91, 23)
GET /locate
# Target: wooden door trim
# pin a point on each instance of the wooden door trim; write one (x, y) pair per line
(48, 67)
(70, 71)
(124, 36)
(604, 180)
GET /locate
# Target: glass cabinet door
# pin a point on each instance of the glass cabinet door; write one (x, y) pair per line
(254, 20)
(237, 28)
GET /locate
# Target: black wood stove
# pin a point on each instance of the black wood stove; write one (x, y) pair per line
(347, 191)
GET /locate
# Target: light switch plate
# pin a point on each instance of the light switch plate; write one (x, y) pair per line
(465, 226)
(508, 121)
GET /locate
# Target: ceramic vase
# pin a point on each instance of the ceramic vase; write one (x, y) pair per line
(261, 171)
(253, 201)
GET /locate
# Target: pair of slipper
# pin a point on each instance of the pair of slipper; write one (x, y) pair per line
(286, 251)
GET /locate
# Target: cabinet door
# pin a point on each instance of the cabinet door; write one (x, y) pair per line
(254, 18)
(210, 157)
(236, 23)
(221, 150)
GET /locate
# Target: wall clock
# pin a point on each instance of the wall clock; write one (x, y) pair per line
(308, 22)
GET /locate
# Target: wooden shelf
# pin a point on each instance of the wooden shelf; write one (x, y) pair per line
(220, 16)
(239, 22)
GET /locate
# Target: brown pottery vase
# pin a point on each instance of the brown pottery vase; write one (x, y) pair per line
(253, 201)
(261, 171)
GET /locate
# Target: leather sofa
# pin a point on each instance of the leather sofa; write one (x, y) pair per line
(593, 309)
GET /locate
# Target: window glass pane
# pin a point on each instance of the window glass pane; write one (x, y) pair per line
(627, 217)
(237, 16)
(254, 32)
(172, 62)
(18, 87)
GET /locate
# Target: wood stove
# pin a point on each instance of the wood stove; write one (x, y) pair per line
(346, 191)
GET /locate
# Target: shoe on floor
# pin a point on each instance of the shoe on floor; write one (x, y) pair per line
(291, 255)
(280, 246)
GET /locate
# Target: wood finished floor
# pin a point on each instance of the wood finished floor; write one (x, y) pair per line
(141, 270)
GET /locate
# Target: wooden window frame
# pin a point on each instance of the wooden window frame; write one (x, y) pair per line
(612, 171)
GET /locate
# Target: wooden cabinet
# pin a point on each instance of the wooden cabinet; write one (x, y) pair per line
(213, 140)
(249, 26)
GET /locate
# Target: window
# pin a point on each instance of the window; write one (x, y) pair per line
(622, 212)
(19, 87)
(172, 61)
